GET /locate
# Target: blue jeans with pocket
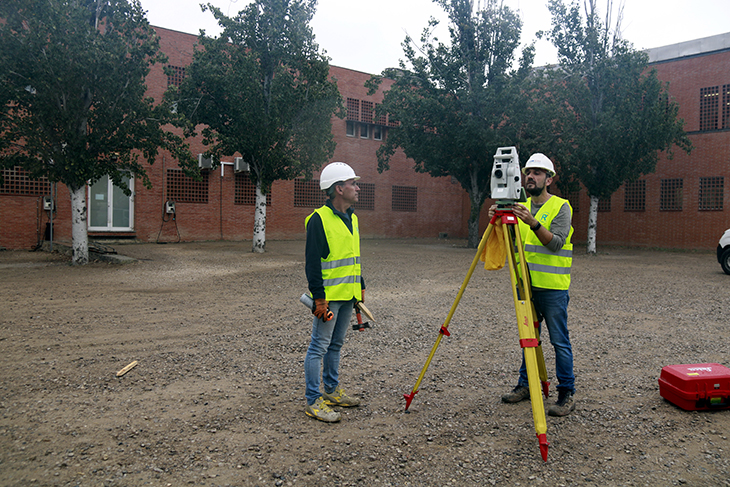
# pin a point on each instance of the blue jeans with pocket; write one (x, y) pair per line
(323, 354)
(552, 306)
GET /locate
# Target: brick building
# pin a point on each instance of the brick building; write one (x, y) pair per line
(681, 205)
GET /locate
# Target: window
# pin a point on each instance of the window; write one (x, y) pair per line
(726, 107)
(308, 194)
(711, 190)
(604, 205)
(671, 195)
(574, 200)
(16, 181)
(709, 99)
(175, 76)
(367, 111)
(377, 132)
(405, 198)
(635, 196)
(245, 191)
(184, 189)
(350, 129)
(364, 131)
(353, 109)
(366, 197)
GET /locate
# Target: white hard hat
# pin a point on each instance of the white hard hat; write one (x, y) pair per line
(335, 172)
(540, 161)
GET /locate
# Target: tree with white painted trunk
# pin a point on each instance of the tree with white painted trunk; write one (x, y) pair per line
(261, 91)
(72, 81)
(613, 115)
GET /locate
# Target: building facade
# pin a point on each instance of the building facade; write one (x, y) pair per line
(681, 205)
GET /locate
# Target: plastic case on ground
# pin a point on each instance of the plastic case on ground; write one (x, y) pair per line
(696, 387)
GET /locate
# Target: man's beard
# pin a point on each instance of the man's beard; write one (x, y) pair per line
(534, 191)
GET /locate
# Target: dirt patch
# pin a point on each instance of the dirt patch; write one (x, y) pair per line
(217, 398)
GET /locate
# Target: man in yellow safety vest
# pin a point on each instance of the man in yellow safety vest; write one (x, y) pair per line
(332, 265)
(546, 231)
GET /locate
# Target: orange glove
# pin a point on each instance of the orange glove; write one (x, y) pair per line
(322, 310)
(363, 296)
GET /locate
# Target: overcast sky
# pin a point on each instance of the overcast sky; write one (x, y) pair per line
(367, 35)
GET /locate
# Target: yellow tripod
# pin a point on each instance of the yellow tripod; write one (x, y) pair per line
(527, 323)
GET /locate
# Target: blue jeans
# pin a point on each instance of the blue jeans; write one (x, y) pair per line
(552, 306)
(324, 350)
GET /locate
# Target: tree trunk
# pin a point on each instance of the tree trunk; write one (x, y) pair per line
(474, 212)
(79, 231)
(592, 224)
(259, 221)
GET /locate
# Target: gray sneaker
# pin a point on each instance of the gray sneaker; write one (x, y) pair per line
(321, 411)
(564, 405)
(519, 393)
(340, 398)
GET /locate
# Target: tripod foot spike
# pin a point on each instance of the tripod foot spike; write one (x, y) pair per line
(409, 398)
(546, 388)
(542, 439)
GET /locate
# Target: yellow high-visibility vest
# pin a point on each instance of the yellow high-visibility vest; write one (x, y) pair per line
(341, 270)
(548, 270)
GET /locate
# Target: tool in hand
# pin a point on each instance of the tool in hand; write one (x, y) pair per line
(360, 307)
(307, 301)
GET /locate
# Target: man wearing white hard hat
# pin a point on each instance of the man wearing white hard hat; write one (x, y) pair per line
(332, 265)
(546, 231)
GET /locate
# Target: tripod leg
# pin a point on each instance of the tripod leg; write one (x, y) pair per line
(444, 328)
(527, 331)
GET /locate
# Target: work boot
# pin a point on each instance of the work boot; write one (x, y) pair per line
(564, 405)
(519, 393)
(321, 411)
(340, 398)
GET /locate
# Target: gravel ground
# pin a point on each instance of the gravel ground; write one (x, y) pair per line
(217, 397)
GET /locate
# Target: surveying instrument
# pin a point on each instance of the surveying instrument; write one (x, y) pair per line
(506, 188)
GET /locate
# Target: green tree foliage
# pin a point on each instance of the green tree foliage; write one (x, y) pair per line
(614, 116)
(458, 103)
(262, 90)
(72, 76)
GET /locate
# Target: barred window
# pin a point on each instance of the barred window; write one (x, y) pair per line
(709, 99)
(574, 200)
(380, 119)
(405, 198)
(184, 189)
(16, 181)
(245, 191)
(366, 197)
(604, 205)
(307, 193)
(367, 111)
(671, 195)
(726, 107)
(353, 109)
(635, 196)
(176, 76)
(711, 190)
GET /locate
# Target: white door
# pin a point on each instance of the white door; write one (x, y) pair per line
(109, 208)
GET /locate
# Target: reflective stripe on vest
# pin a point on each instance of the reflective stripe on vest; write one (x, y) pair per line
(548, 270)
(341, 272)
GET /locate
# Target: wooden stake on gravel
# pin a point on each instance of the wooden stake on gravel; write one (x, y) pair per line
(127, 368)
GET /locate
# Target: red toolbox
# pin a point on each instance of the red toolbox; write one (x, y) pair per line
(696, 387)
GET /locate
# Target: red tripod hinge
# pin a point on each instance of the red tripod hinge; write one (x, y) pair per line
(529, 342)
(444, 331)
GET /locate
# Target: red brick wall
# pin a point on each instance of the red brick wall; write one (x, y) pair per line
(443, 206)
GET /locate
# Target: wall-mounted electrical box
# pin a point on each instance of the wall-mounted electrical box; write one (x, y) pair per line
(240, 166)
(169, 207)
(48, 203)
(204, 162)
